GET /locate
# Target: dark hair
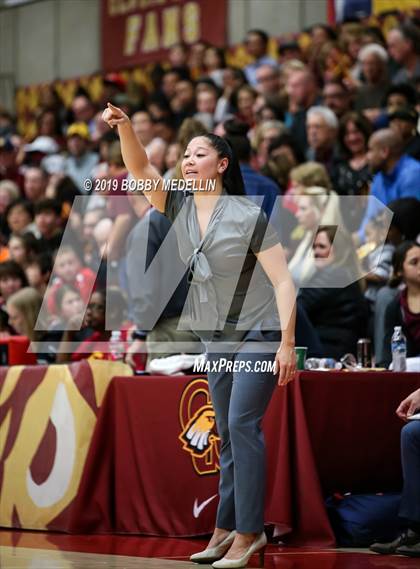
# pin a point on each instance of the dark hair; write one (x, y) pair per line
(287, 139)
(405, 89)
(48, 204)
(411, 33)
(25, 204)
(332, 35)
(238, 74)
(375, 33)
(44, 262)
(261, 33)
(236, 136)
(361, 123)
(232, 176)
(233, 101)
(406, 217)
(57, 126)
(398, 259)
(12, 269)
(30, 244)
(220, 54)
(61, 291)
(330, 230)
(111, 136)
(274, 108)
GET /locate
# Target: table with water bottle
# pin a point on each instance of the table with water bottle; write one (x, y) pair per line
(363, 359)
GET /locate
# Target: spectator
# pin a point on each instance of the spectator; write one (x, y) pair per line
(68, 269)
(24, 308)
(178, 58)
(196, 59)
(23, 248)
(214, 64)
(289, 50)
(256, 44)
(155, 147)
(83, 111)
(172, 156)
(396, 174)
(90, 221)
(243, 101)
(81, 161)
(332, 297)
(233, 79)
(400, 95)
(38, 272)
(322, 134)
(255, 184)
(12, 279)
(303, 93)
(283, 156)
(35, 184)
(404, 310)
(168, 84)
(404, 226)
(183, 102)
(9, 169)
(336, 97)
(268, 80)
(70, 309)
(404, 47)
(264, 135)
(373, 59)
(20, 216)
(206, 106)
(9, 192)
(404, 121)
(353, 175)
(48, 223)
(93, 336)
(378, 260)
(315, 206)
(305, 176)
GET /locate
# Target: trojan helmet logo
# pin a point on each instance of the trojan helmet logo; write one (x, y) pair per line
(199, 437)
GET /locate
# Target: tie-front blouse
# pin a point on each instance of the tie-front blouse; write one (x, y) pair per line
(229, 289)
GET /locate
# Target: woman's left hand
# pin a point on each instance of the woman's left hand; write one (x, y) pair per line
(285, 363)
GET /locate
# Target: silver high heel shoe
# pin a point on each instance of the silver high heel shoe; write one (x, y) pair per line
(214, 553)
(257, 546)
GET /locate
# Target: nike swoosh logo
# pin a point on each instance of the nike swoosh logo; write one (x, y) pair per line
(197, 509)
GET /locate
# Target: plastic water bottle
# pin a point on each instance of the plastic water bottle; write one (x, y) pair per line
(399, 350)
(116, 347)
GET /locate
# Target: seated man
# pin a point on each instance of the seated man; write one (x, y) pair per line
(408, 543)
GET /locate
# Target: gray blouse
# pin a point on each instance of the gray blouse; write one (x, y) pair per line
(230, 294)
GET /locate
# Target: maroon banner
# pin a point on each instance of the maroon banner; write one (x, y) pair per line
(141, 31)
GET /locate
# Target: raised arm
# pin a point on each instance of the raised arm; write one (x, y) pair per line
(134, 155)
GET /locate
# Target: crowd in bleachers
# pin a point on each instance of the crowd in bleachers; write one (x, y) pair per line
(328, 127)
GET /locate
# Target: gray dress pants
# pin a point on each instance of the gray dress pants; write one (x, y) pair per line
(240, 399)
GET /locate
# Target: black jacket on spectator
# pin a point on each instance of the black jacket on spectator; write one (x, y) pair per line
(338, 314)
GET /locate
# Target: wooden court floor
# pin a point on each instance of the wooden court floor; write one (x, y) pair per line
(34, 550)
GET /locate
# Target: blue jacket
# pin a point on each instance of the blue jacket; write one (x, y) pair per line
(258, 185)
(402, 182)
